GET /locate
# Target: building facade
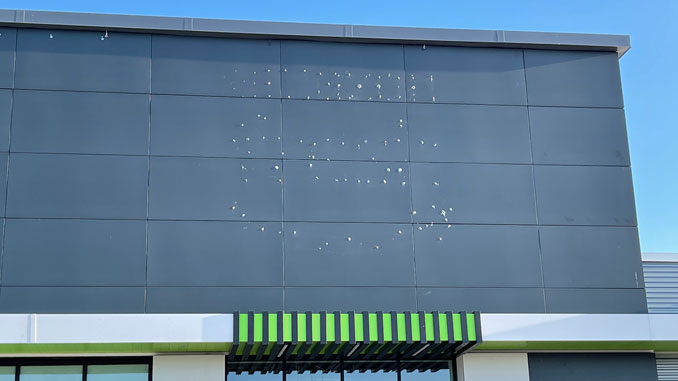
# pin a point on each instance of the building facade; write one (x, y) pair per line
(214, 199)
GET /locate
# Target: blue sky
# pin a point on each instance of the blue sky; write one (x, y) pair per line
(649, 70)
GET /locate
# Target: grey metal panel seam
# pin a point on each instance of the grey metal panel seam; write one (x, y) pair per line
(338, 160)
(312, 221)
(308, 31)
(534, 183)
(9, 149)
(36, 152)
(148, 163)
(409, 180)
(373, 101)
(282, 176)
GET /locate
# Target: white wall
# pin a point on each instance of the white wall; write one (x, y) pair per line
(189, 367)
(493, 366)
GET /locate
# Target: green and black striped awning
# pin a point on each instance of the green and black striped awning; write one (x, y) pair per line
(333, 341)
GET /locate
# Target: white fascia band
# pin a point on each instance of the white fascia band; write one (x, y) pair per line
(510, 332)
(115, 328)
(580, 331)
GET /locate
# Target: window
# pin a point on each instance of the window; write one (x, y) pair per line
(294, 375)
(318, 376)
(232, 376)
(117, 373)
(7, 373)
(51, 373)
(76, 369)
(371, 376)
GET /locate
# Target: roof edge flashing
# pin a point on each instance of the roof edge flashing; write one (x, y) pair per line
(315, 32)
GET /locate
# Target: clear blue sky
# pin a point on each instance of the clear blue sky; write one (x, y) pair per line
(649, 70)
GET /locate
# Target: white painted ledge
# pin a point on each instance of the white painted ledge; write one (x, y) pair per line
(631, 331)
(516, 332)
(115, 328)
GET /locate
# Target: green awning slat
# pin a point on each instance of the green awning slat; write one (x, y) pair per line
(378, 336)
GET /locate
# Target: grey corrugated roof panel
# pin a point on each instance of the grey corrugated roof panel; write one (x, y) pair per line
(307, 31)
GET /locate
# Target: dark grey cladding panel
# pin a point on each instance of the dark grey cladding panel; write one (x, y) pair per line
(477, 256)
(77, 186)
(338, 191)
(350, 299)
(79, 60)
(571, 195)
(216, 127)
(215, 189)
(213, 299)
(74, 253)
(7, 54)
(5, 118)
(473, 193)
(465, 75)
(346, 71)
(598, 257)
(469, 133)
(345, 130)
(216, 66)
(72, 300)
(214, 253)
(78, 122)
(487, 300)
(583, 136)
(570, 78)
(336, 254)
(592, 366)
(596, 301)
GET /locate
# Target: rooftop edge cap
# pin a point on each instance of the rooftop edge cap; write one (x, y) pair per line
(308, 31)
